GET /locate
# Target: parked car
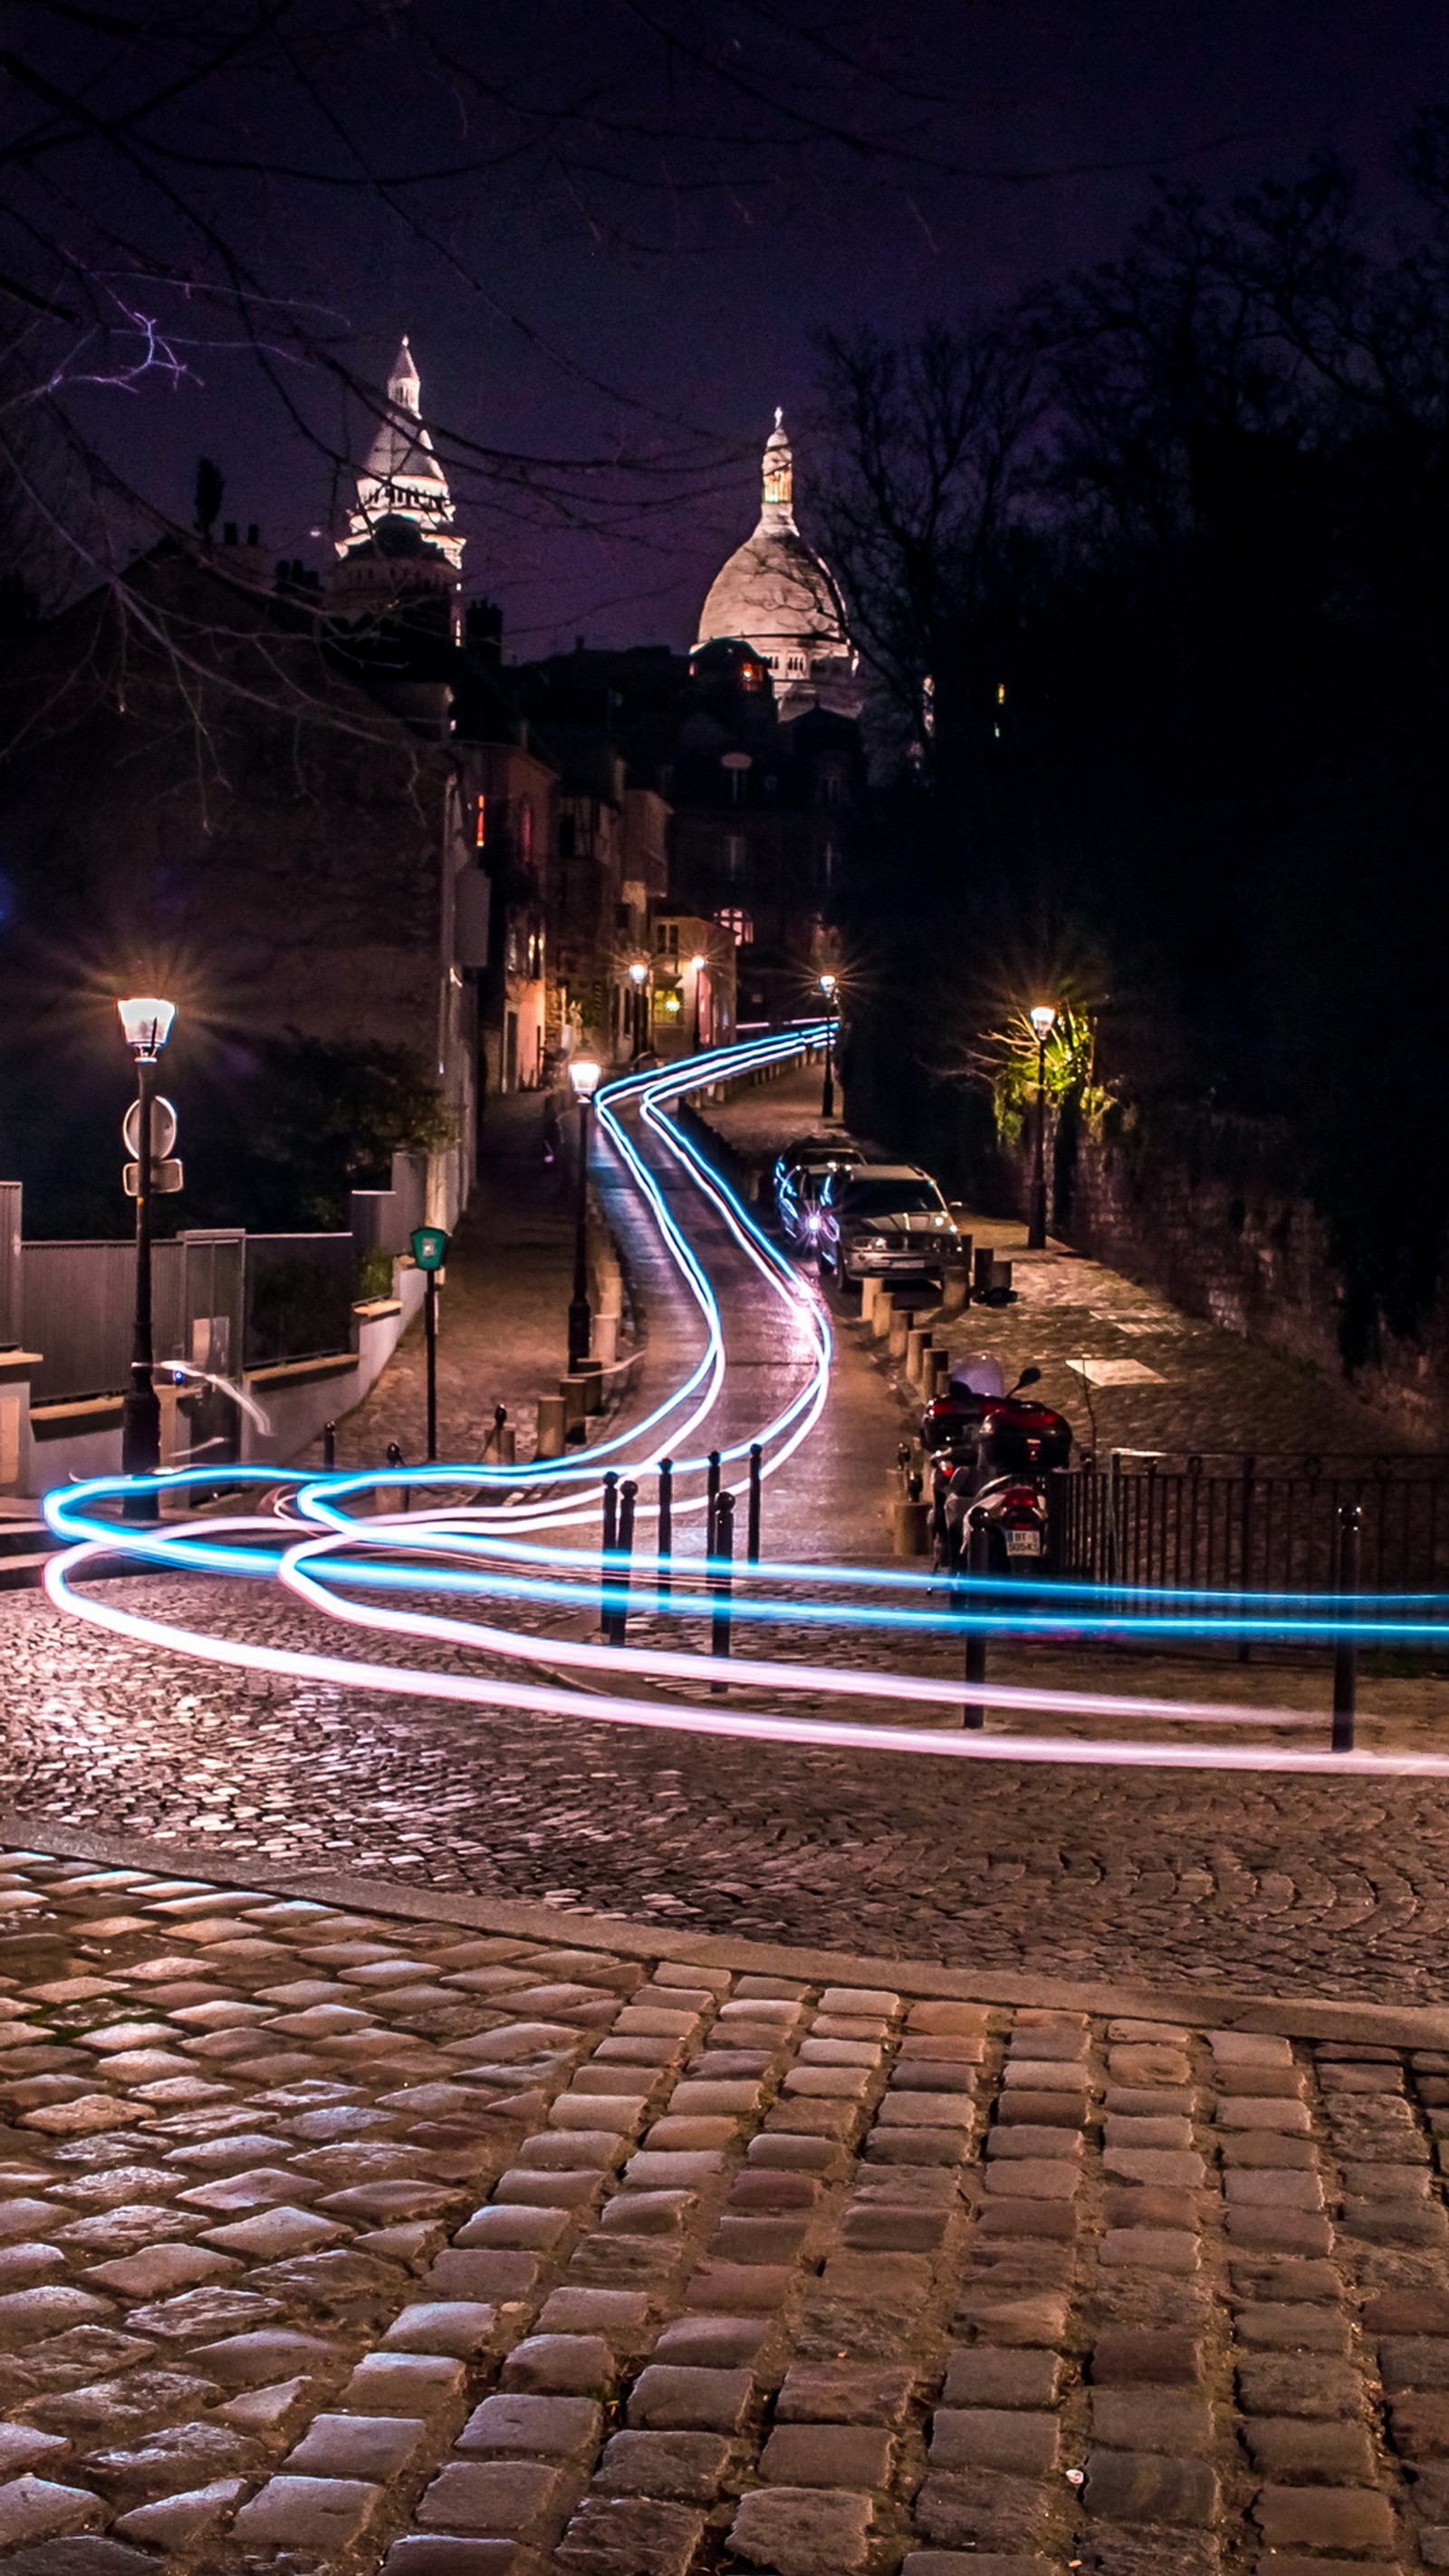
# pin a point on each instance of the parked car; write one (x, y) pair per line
(797, 1192)
(815, 1153)
(886, 1220)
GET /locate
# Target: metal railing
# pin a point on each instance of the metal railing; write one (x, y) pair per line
(1230, 1522)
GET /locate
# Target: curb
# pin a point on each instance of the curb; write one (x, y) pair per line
(1291, 2017)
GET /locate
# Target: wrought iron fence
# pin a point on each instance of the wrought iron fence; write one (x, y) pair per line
(1225, 1522)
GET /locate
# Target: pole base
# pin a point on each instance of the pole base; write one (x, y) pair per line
(581, 1328)
(140, 1450)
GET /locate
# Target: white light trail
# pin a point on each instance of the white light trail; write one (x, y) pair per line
(340, 1549)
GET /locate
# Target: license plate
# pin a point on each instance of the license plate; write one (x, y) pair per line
(1023, 1542)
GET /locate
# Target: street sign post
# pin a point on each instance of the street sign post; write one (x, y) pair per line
(430, 1246)
(430, 1251)
(166, 1173)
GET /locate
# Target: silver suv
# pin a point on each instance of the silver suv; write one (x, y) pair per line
(886, 1220)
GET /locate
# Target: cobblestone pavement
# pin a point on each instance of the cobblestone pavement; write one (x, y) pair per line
(335, 2242)
(1342, 1888)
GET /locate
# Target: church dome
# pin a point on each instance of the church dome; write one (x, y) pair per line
(777, 596)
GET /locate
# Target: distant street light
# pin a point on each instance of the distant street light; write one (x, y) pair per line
(698, 965)
(639, 977)
(1043, 1020)
(584, 1075)
(147, 1025)
(829, 986)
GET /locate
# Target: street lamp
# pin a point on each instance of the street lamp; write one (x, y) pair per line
(829, 986)
(584, 1075)
(1043, 1020)
(147, 1025)
(698, 965)
(639, 977)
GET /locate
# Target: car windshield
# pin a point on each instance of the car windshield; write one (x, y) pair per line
(809, 1179)
(888, 1198)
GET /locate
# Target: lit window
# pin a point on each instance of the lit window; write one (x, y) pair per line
(738, 924)
(482, 834)
(525, 833)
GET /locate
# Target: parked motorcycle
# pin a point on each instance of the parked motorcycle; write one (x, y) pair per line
(992, 1448)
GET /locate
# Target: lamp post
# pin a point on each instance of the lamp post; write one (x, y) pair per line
(584, 1076)
(1043, 1021)
(639, 977)
(829, 986)
(697, 965)
(147, 1024)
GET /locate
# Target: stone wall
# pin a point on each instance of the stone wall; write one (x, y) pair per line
(1212, 1223)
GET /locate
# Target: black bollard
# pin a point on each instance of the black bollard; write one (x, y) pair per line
(752, 1538)
(1345, 1647)
(618, 1617)
(978, 1562)
(611, 1534)
(329, 1445)
(1245, 1544)
(722, 1579)
(711, 1504)
(665, 1542)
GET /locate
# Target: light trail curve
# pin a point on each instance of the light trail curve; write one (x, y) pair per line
(478, 1549)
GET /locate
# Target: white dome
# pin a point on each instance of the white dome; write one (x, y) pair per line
(776, 595)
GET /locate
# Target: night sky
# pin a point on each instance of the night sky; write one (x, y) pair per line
(691, 340)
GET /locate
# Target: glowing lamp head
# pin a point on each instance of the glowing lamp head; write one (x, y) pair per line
(828, 984)
(638, 973)
(698, 964)
(147, 1024)
(584, 1075)
(1043, 1020)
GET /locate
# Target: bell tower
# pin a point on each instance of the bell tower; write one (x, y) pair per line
(401, 554)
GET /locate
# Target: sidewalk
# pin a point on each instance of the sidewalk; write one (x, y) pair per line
(346, 2230)
(1158, 1379)
(503, 1308)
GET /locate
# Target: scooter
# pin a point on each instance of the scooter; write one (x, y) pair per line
(991, 1453)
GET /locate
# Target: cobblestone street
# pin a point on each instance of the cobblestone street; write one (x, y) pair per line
(1338, 1888)
(975, 2218)
(334, 2241)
